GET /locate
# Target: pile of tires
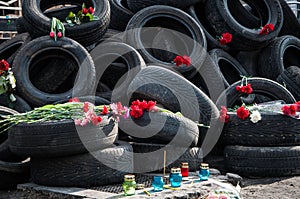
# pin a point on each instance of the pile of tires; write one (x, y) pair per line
(127, 55)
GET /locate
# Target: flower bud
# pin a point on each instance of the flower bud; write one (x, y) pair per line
(91, 10)
(84, 11)
(59, 34)
(51, 34)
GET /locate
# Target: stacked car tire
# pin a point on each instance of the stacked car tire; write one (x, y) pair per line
(97, 59)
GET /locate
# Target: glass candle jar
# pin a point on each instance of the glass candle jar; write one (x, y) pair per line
(185, 169)
(204, 172)
(158, 183)
(129, 185)
(175, 177)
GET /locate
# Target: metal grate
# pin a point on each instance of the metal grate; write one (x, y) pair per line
(117, 188)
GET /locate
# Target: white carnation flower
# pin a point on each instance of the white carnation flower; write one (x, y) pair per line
(255, 116)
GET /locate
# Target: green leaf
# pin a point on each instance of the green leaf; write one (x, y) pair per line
(71, 15)
(12, 97)
(83, 5)
(90, 16)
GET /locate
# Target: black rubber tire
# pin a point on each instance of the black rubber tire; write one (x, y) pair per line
(10, 48)
(85, 170)
(244, 38)
(120, 14)
(20, 25)
(19, 105)
(172, 93)
(137, 5)
(230, 68)
(249, 60)
(291, 24)
(14, 173)
(107, 53)
(110, 35)
(290, 78)
(193, 156)
(84, 84)
(161, 128)
(61, 138)
(282, 53)
(261, 86)
(177, 27)
(92, 99)
(197, 11)
(3, 136)
(263, 161)
(38, 24)
(271, 130)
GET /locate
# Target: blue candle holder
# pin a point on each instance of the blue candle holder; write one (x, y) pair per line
(158, 183)
(175, 177)
(204, 172)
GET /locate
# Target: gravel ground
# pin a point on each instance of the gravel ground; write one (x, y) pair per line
(271, 188)
(266, 188)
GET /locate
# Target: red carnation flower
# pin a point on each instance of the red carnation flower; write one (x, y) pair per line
(151, 105)
(248, 89)
(244, 89)
(224, 117)
(298, 106)
(75, 99)
(293, 109)
(266, 29)
(242, 113)
(186, 60)
(136, 111)
(225, 38)
(85, 107)
(4, 66)
(285, 110)
(104, 111)
(178, 60)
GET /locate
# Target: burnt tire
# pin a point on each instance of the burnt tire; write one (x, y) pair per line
(263, 161)
(39, 24)
(61, 138)
(26, 66)
(14, 173)
(172, 93)
(162, 128)
(10, 48)
(282, 53)
(142, 163)
(290, 78)
(169, 32)
(230, 68)
(136, 5)
(261, 86)
(118, 79)
(103, 167)
(245, 38)
(120, 14)
(19, 105)
(290, 24)
(271, 130)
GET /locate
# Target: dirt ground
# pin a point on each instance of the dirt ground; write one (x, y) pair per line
(275, 188)
(265, 188)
